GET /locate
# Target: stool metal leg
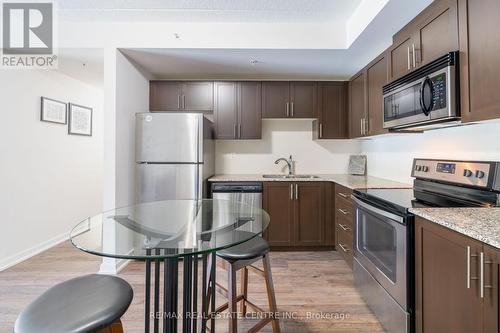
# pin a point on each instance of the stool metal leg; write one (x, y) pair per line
(170, 295)
(244, 290)
(186, 312)
(156, 322)
(147, 299)
(212, 288)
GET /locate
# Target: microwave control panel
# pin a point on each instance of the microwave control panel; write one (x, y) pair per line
(457, 172)
(439, 91)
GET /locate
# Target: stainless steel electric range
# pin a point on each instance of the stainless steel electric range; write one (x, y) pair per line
(383, 230)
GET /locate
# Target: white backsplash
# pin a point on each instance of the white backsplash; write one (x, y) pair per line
(281, 138)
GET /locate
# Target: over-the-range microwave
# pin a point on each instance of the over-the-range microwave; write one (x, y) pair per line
(426, 98)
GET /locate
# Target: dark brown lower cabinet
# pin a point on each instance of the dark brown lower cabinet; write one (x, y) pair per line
(297, 211)
(456, 282)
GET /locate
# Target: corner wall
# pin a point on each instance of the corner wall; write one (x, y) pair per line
(49, 180)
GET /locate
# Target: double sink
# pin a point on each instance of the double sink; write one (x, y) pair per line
(290, 176)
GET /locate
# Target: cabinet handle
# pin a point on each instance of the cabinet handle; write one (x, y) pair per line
(343, 248)
(183, 101)
(343, 195)
(292, 110)
(291, 191)
(468, 267)
(178, 101)
(362, 126)
(414, 55)
(481, 276)
(234, 132)
(287, 106)
(345, 212)
(367, 126)
(239, 131)
(296, 192)
(320, 131)
(409, 61)
(344, 227)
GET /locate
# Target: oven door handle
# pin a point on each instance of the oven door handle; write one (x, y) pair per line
(379, 211)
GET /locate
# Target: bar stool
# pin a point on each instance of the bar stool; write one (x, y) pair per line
(91, 303)
(241, 257)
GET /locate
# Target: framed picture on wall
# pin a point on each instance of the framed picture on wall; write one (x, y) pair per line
(80, 120)
(53, 111)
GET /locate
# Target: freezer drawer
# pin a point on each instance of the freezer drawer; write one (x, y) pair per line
(168, 181)
(169, 138)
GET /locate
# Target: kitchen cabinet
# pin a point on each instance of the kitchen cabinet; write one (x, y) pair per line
(344, 223)
(332, 122)
(479, 65)
(278, 202)
(289, 99)
(180, 96)
(357, 109)
(297, 212)
(456, 281)
(376, 78)
(433, 33)
(237, 110)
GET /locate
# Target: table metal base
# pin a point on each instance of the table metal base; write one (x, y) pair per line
(193, 315)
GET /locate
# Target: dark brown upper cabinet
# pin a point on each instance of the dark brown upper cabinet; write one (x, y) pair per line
(297, 211)
(456, 281)
(431, 34)
(237, 110)
(332, 122)
(289, 99)
(357, 106)
(479, 64)
(376, 78)
(181, 96)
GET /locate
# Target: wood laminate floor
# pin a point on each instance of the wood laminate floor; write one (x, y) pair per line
(315, 290)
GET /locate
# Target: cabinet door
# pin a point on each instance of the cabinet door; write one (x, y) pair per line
(400, 62)
(249, 110)
(376, 78)
(197, 96)
(444, 300)
(480, 69)
(303, 99)
(275, 99)
(278, 203)
(225, 110)
(491, 292)
(309, 214)
(437, 32)
(165, 95)
(357, 106)
(332, 104)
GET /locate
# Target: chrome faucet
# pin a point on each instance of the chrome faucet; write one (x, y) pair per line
(289, 162)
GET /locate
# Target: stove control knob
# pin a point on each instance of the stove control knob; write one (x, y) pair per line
(467, 173)
(425, 168)
(479, 174)
(419, 168)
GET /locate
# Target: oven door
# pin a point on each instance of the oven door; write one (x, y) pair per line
(380, 246)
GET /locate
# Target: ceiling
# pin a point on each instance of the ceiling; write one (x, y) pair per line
(315, 11)
(84, 64)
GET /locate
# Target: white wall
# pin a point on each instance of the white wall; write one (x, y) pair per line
(392, 157)
(280, 138)
(49, 180)
(127, 93)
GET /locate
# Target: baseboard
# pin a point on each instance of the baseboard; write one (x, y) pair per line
(28, 253)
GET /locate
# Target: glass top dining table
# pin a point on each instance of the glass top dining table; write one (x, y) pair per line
(169, 228)
(164, 233)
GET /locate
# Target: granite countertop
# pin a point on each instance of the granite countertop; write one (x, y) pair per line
(482, 224)
(348, 181)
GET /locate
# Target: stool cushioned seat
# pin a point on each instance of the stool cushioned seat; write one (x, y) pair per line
(83, 304)
(254, 248)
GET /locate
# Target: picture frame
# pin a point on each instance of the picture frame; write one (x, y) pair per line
(79, 120)
(53, 111)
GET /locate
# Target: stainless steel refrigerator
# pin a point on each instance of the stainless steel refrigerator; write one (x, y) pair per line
(174, 156)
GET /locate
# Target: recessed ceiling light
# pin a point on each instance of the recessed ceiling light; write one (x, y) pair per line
(176, 35)
(255, 62)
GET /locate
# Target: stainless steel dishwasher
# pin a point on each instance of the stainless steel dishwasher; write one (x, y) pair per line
(249, 193)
